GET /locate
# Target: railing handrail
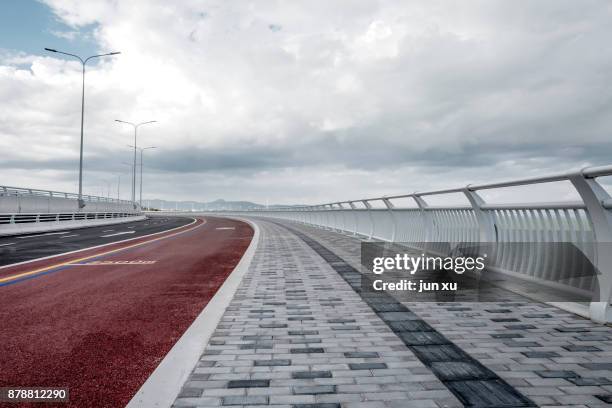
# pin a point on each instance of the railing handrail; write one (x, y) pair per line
(587, 172)
(57, 194)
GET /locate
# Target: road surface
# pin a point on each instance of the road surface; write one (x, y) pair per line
(99, 321)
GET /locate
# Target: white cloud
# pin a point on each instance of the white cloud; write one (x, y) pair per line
(315, 100)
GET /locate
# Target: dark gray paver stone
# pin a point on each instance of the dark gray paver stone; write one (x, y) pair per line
(367, 366)
(190, 392)
(302, 332)
(398, 316)
(461, 371)
(444, 352)
(304, 375)
(513, 343)
(319, 405)
(388, 307)
(248, 383)
(252, 346)
(314, 390)
(361, 354)
(557, 374)
(520, 326)
(592, 337)
(504, 320)
(607, 398)
(422, 338)
(597, 366)
(341, 321)
(507, 336)
(306, 350)
(410, 326)
(590, 381)
(488, 393)
(272, 363)
(572, 329)
(540, 354)
(304, 341)
(577, 348)
(272, 326)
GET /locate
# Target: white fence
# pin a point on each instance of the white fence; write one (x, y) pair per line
(24, 210)
(586, 223)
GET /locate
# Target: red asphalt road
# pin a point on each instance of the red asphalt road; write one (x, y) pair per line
(102, 330)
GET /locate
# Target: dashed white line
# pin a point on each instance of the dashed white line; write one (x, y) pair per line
(226, 228)
(108, 231)
(10, 243)
(117, 233)
(68, 236)
(42, 235)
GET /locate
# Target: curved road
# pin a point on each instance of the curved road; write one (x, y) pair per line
(99, 321)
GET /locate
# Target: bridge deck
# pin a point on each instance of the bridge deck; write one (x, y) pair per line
(297, 333)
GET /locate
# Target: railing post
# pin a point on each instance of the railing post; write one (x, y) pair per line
(427, 220)
(368, 207)
(354, 211)
(390, 207)
(486, 225)
(343, 214)
(593, 195)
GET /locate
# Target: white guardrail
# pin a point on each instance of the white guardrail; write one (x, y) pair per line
(587, 224)
(24, 210)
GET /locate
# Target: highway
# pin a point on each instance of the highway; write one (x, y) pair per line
(14, 249)
(99, 320)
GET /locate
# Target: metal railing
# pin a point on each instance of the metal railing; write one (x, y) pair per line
(6, 191)
(587, 224)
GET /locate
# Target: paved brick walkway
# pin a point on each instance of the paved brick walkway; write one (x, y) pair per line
(297, 335)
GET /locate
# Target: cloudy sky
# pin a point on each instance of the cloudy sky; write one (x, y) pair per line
(304, 101)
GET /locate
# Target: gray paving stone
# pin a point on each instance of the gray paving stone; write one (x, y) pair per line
(245, 400)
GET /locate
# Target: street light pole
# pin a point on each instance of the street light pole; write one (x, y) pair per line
(142, 149)
(135, 125)
(83, 62)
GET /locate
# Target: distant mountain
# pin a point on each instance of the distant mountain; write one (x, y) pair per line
(217, 205)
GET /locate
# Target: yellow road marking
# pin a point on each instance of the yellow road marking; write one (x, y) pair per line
(76, 261)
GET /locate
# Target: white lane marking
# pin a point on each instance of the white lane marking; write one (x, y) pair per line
(10, 243)
(226, 228)
(108, 231)
(117, 233)
(42, 235)
(130, 227)
(68, 236)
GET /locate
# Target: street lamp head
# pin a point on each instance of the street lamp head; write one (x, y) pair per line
(115, 53)
(50, 49)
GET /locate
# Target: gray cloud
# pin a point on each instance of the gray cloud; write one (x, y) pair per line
(284, 103)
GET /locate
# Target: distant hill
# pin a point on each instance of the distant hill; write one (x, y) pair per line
(217, 205)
